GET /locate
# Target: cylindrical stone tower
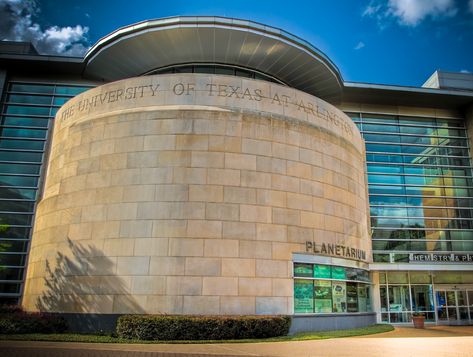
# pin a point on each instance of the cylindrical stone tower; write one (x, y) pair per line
(190, 194)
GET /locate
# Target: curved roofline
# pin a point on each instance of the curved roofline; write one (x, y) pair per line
(217, 20)
(130, 32)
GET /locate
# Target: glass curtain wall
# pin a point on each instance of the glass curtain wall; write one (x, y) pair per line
(26, 117)
(420, 185)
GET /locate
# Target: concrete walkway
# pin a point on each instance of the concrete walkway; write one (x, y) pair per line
(403, 341)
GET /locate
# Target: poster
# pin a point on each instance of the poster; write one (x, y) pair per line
(303, 296)
(304, 270)
(339, 296)
(323, 296)
(322, 271)
(339, 273)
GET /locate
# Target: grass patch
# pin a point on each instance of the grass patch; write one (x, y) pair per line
(72, 337)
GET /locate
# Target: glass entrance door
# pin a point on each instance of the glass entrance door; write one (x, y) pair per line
(454, 306)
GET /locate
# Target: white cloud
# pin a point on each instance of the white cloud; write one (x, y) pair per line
(359, 45)
(465, 71)
(470, 6)
(411, 12)
(17, 25)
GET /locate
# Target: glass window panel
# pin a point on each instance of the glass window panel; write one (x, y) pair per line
(383, 158)
(15, 232)
(382, 233)
(323, 296)
(20, 246)
(417, 130)
(383, 148)
(12, 259)
(385, 179)
(20, 156)
(352, 297)
(381, 258)
(18, 193)
(11, 273)
(419, 150)
(18, 181)
(364, 304)
(227, 71)
(24, 121)
(461, 298)
(242, 73)
(397, 277)
(417, 121)
(392, 190)
(353, 116)
(373, 118)
(462, 246)
(391, 245)
(304, 270)
(470, 297)
(29, 99)
(70, 90)
(387, 200)
(303, 296)
(461, 235)
(15, 219)
(388, 169)
(458, 192)
(22, 144)
(399, 317)
(388, 211)
(16, 206)
(422, 298)
(54, 111)
(381, 138)
(399, 298)
(383, 292)
(206, 69)
(420, 140)
(449, 123)
(184, 69)
(450, 132)
(27, 133)
(447, 277)
(15, 109)
(458, 182)
(339, 273)
(60, 100)
(31, 88)
(380, 128)
(419, 170)
(19, 168)
(10, 288)
(322, 271)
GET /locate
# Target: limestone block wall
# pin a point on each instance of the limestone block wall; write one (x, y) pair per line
(188, 194)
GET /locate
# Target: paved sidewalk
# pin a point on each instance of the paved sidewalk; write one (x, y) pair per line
(435, 341)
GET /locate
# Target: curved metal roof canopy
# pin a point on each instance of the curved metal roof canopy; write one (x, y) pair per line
(137, 49)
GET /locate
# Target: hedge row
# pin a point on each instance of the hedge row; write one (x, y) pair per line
(17, 321)
(166, 327)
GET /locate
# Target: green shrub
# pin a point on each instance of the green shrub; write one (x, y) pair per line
(15, 321)
(166, 327)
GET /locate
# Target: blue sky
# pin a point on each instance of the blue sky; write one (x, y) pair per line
(398, 42)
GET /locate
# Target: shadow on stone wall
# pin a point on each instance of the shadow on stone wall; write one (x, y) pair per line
(82, 286)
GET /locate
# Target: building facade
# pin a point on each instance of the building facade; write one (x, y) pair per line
(205, 165)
